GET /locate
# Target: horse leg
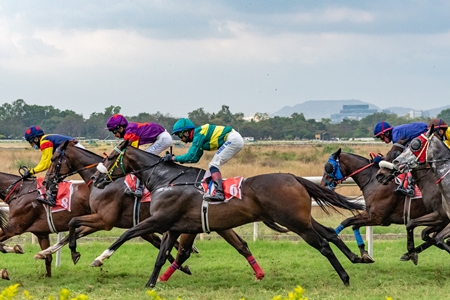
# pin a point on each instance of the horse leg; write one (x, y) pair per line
(80, 232)
(168, 240)
(241, 246)
(156, 242)
(433, 219)
(147, 226)
(441, 236)
(7, 249)
(356, 222)
(330, 235)
(314, 239)
(94, 221)
(44, 243)
(184, 252)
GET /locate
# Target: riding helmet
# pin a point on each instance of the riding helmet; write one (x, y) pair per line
(381, 128)
(182, 125)
(32, 132)
(116, 120)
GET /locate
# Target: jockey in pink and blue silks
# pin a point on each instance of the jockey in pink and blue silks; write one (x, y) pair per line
(140, 134)
(385, 132)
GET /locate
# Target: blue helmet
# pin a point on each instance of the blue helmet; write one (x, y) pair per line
(32, 132)
(182, 125)
(381, 128)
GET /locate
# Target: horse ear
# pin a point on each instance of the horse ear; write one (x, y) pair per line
(430, 131)
(336, 154)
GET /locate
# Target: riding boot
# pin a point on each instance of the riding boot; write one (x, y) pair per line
(136, 193)
(219, 195)
(49, 198)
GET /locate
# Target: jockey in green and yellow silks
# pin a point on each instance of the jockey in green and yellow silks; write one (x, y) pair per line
(223, 139)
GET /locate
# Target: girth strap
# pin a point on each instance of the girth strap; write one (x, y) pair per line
(204, 217)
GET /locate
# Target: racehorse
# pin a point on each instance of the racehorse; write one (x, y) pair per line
(430, 150)
(113, 208)
(383, 206)
(26, 214)
(435, 219)
(178, 205)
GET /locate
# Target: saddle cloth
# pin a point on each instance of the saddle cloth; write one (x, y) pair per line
(130, 182)
(63, 197)
(398, 180)
(231, 187)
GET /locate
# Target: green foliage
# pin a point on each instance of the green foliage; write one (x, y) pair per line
(17, 116)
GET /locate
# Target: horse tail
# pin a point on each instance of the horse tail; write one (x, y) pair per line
(325, 197)
(4, 217)
(276, 227)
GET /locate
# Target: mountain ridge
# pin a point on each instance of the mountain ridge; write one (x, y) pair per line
(318, 109)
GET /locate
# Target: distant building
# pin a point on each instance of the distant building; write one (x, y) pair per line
(352, 112)
(418, 113)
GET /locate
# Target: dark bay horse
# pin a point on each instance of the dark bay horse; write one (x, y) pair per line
(177, 205)
(430, 150)
(113, 208)
(26, 214)
(436, 217)
(383, 206)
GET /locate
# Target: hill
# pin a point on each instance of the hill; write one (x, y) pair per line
(318, 109)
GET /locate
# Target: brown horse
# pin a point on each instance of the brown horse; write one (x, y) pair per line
(436, 217)
(113, 208)
(26, 214)
(383, 206)
(178, 206)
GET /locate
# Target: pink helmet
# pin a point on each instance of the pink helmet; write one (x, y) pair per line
(116, 120)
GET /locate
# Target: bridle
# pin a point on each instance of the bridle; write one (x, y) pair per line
(333, 171)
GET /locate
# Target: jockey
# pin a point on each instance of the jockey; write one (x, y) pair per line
(385, 132)
(47, 143)
(222, 139)
(140, 134)
(440, 127)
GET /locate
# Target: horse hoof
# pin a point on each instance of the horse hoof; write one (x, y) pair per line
(39, 256)
(367, 259)
(186, 269)
(195, 249)
(4, 274)
(414, 258)
(96, 263)
(150, 285)
(405, 257)
(76, 257)
(259, 277)
(18, 249)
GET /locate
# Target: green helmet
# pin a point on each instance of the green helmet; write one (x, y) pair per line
(182, 125)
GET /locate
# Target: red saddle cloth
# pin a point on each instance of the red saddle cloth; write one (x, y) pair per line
(231, 187)
(63, 197)
(399, 179)
(130, 182)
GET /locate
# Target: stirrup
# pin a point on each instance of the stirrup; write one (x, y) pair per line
(47, 200)
(216, 197)
(136, 193)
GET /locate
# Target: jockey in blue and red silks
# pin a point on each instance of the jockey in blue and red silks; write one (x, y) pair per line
(140, 134)
(47, 143)
(385, 132)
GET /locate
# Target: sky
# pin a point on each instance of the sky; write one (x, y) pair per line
(174, 57)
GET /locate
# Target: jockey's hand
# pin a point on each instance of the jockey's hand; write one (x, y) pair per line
(27, 174)
(168, 157)
(377, 159)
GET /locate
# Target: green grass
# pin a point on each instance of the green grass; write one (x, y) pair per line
(219, 272)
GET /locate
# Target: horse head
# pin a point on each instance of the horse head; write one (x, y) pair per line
(387, 172)
(332, 174)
